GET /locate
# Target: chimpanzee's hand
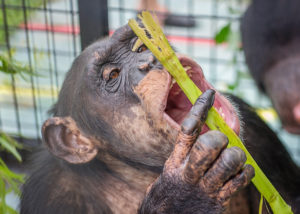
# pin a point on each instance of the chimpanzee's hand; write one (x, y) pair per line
(201, 174)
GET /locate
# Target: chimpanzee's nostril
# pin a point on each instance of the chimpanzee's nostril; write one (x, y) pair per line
(152, 61)
(145, 67)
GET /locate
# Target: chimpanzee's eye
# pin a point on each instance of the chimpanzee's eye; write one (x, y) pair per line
(110, 72)
(139, 46)
(114, 74)
(142, 48)
(111, 75)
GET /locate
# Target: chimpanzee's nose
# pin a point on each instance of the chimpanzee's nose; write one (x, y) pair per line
(151, 62)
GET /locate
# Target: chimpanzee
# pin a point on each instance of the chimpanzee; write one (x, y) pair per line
(125, 139)
(271, 42)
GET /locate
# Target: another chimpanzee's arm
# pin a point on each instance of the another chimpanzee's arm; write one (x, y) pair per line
(200, 175)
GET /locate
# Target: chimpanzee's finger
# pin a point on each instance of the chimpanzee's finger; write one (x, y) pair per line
(203, 153)
(189, 128)
(240, 181)
(228, 164)
(198, 114)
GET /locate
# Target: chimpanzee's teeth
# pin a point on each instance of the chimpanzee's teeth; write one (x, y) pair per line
(173, 82)
(186, 68)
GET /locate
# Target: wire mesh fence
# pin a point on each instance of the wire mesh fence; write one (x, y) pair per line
(44, 36)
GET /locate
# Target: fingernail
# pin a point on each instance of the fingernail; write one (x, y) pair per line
(212, 97)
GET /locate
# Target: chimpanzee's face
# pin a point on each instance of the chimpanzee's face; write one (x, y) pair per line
(122, 97)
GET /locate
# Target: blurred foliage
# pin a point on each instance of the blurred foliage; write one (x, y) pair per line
(8, 65)
(9, 181)
(229, 34)
(15, 16)
(223, 34)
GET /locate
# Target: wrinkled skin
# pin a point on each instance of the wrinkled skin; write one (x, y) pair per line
(271, 42)
(110, 149)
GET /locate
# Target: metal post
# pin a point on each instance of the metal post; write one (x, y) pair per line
(93, 18)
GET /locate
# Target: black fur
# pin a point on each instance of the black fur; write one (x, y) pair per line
(165, 197)
(271, 41)
(268, 28)
(48, 184)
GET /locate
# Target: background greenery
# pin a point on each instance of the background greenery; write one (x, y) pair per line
(9, 180)
(15, 16)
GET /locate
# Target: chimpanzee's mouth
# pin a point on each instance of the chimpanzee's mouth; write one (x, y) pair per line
(178, 105)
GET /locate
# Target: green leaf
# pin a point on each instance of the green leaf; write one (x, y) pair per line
(2, 196)
(11, 140)
(8, 174)
(10, 210)
(223, 34)
(11, 66)
(231, 87)
(10, 148)
(2, 190)
(13, 180)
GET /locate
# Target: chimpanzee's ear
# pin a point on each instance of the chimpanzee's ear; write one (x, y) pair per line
(64, 140)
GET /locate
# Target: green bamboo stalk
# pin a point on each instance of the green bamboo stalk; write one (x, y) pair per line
(160, 47)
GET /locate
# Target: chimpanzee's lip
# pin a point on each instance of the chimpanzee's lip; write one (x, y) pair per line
(177, 104)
